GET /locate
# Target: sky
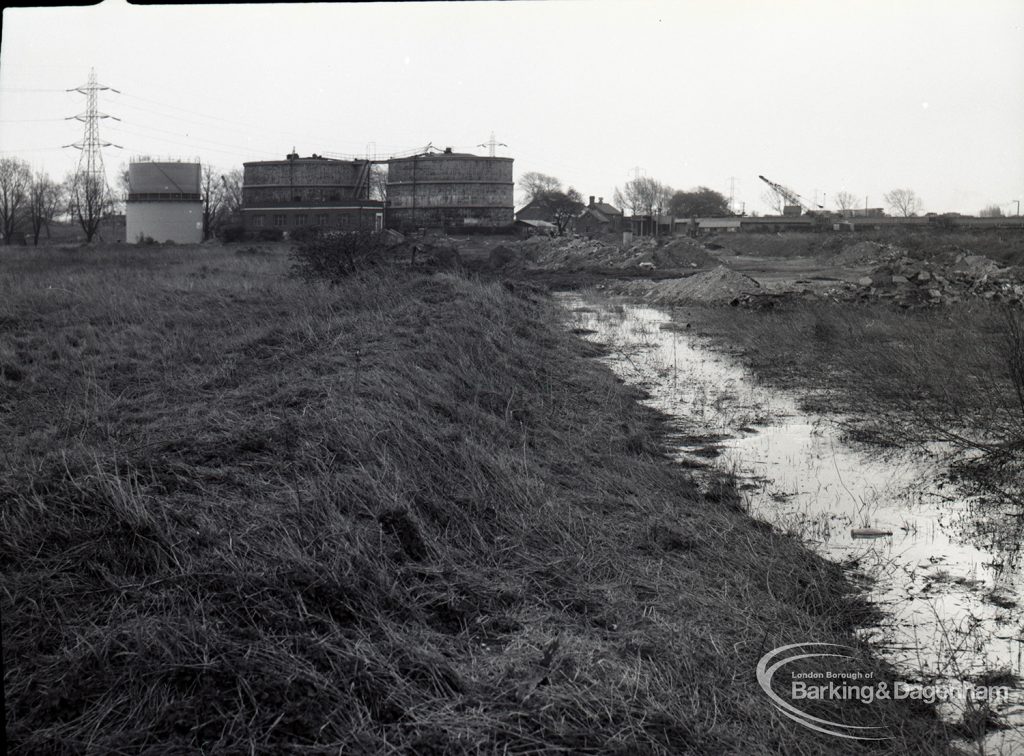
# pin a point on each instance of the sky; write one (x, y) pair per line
(820, 96)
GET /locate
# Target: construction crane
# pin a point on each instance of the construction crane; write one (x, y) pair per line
(792, 198)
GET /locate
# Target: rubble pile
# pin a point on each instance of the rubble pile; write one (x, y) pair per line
(945, 278)
(677, 254)
(571, 254)
(574, 254)
(867, 252)
(721, 284)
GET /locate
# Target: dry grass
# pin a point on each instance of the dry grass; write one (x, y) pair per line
(405, 514)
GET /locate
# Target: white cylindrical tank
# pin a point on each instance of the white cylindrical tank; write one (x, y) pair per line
(164, 202)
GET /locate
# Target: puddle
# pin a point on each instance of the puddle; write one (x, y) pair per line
(945, 568)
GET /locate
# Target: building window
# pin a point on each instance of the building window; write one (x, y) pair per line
(321, 220)
(279, 220)
(259, 220)
(300, 219)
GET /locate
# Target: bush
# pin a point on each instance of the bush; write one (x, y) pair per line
(146, 240)
(305, 234)
(270, 234)
(233, 233)
(336, 255)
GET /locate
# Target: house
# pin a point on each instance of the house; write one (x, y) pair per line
(556, 208)
(527, 228)
(537, 209)
(599, 217)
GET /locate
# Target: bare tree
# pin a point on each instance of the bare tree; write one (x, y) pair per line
(45, 199)
(89, 201)
(845, 201)
(15, 183)
(644, 196)
(379, 182)
(232, 182)
(992, 211)
(123, 188)
(211, 193)
(534, 184)
(625, 200)
(903, 202)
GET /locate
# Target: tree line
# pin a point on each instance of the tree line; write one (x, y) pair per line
(640, 196)
(30, 201)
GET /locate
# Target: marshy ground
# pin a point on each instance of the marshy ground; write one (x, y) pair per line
(410, 513)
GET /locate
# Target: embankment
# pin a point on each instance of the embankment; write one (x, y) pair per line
(406, 514)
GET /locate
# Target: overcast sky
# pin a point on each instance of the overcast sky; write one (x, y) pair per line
(820, 96)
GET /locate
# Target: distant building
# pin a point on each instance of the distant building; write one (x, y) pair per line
(648, 225)
(599, 217)
(457, 192)
(315, 191)
(562, 212)
(527, 228)
(536, 209)
(696, 226)
(865, 212)
(163, 202)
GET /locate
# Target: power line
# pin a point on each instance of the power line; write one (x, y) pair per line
(244, 127)
(33, 149)
(144, 127)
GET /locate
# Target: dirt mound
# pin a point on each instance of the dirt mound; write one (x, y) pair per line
(720, 284)
(504, 256)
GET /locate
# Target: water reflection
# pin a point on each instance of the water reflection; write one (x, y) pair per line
(949, 577)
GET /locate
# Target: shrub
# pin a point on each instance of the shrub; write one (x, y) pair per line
(336, 255)
(305, 234)
(1015, 362)
(270, 234)
(233, 233)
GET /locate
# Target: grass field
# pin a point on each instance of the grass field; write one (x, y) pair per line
(407, 514)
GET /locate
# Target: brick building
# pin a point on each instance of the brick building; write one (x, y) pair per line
(450, 190)
(599, 217)
(315, 191)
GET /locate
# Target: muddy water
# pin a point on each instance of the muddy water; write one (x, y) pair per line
(948, 577)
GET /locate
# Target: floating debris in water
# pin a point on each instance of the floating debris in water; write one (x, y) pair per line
(869, 533)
